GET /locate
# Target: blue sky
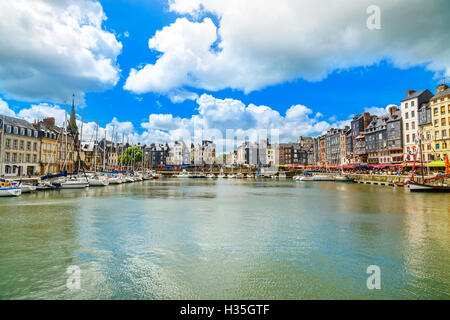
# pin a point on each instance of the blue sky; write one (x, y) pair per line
(258, 60)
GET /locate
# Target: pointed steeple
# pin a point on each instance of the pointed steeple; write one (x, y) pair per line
(72, 122)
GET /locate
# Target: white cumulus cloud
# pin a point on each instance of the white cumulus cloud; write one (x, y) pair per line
(260, 43)
(216, 117)
(5, 110)
(50, 49)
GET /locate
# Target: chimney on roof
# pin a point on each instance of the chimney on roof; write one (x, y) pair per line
(392, 110)
(49, 122)
(409, 93)
(441, 88)
(366, 120)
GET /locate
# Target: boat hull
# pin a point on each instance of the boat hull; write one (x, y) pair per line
(417, 187)
(98, 183)
(316, 178)
(27, 188)
(10, 192)
(74, 185)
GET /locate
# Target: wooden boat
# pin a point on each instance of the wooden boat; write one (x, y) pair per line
(422, 187)
(9, 190)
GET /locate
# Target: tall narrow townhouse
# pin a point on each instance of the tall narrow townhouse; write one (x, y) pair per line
(410, 115)
(440, 117)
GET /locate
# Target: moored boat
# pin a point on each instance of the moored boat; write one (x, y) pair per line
(422, 187)
(9, 190)
(346, 179)
(113, 179)
(155, 175)
(183, 174)
(45, 185)
(75, 184)
(98, 182)
(26, 188)
(306, 176)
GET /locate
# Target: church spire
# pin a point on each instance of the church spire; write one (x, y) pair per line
(72, 122)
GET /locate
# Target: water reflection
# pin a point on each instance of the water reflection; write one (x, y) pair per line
(215, 239)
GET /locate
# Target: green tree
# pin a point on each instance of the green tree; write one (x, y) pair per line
(130, 156)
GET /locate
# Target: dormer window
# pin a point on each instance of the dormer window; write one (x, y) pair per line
(16, 130)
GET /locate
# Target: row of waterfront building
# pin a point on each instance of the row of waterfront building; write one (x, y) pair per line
(42, 147)
(423, 120)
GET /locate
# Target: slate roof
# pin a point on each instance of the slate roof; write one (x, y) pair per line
(444, 93)
(415, 95)
(15, 122)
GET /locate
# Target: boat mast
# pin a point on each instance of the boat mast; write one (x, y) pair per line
(112, 144)
(121, 153)
(128, 162)
(104, 153)
(65, 135)
(95, 148)
(81, 137)
(132, 161)
(2, 147)
(421, 156)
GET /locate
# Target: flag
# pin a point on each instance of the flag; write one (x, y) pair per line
(447, 164)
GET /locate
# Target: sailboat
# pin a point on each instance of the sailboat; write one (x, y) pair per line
(221, 174)
(98, 181)
(26, 188)
(74, 184)
(415, 186)
(183, 174)
(9, 190)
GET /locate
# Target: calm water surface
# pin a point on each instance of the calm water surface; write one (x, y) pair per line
(199, 239)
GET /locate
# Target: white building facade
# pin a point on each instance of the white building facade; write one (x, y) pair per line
(410, 116)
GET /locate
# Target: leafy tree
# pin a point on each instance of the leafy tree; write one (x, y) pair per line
(130, 154)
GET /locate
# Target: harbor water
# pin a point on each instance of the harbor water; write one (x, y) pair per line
(221, 239)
